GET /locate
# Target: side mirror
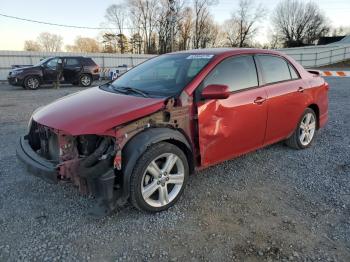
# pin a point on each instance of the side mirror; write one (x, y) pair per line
(216, 92)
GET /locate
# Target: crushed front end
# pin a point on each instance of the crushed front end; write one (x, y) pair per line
(86, 161)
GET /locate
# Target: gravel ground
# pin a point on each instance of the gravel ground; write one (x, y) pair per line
(276, 204)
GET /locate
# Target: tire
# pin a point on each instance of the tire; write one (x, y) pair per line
(164, 186)
(31, 82)
(305, 131)
(85, 80)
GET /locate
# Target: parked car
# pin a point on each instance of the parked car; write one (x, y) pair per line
(139, 137)
(76, 70)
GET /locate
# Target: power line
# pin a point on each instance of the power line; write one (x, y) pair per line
(62, 25)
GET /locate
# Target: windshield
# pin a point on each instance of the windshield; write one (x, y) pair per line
(43, 61)
(163, 76)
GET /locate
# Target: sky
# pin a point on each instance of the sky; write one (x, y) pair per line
(90, 13)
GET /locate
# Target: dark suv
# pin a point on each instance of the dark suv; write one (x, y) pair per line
(76, 70)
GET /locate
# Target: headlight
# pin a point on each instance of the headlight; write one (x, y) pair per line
(31, 118)
(30, 123)
(16, 72)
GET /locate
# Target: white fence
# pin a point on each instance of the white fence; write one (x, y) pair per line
(314, 56)
(9, 58)
(310, 56)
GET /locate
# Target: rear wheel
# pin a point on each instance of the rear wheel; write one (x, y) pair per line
(305, 131)
(85, 80)
(159, 178)
(31, 82)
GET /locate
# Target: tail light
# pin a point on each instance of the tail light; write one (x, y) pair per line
(96, 70)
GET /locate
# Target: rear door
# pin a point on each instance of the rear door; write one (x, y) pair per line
(72, 68)
(236, 125)
(286, 96)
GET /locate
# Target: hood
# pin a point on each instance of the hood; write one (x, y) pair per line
(25, 68)
(94, 111)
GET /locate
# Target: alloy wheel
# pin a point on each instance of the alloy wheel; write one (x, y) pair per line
(307, 129)
(85, 80)
(33, 83)
(162, 180)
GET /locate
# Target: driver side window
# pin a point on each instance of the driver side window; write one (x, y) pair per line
(52, 63)
(236, 72)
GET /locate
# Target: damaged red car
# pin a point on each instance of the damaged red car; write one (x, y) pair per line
(139, 137)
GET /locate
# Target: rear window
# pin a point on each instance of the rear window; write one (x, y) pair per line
(88, 61)
(274, 69)
(293, 72)
(72, 62)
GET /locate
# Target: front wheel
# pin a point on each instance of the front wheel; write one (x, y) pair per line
(31, 82)
(305, 131)
(159, 178)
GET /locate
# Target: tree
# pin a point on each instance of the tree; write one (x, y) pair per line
(136, 43)
(242, 26)
(144, 16)
(117, 16)
(169, 15)
(122, 43)
(50, 42)
(84, 44)
(201, 14)
(185, 28)
(299, 23)
(31, 45)
(110, 43)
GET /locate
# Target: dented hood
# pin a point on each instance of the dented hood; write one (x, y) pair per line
(94, 111)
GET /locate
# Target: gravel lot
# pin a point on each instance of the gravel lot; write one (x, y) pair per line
(275, 204)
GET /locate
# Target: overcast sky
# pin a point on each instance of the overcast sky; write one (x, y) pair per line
(91, 13)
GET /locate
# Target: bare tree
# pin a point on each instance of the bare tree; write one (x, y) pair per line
(201, 14)
(242, 26)
(50, 42)
(31, 45)
(144, 15)
(167, 24)
(299, 23)
(117, 15)
(185, 28)
(84, 44)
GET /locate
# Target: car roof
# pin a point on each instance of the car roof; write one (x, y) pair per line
(233, 51)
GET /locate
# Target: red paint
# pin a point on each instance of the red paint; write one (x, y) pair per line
(232, 126)
(219, 129)
(94, 111)
(216, 92)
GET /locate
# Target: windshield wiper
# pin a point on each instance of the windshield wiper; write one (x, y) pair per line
(128, 89)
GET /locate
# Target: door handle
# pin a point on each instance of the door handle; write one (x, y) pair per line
(259, 100)
(301, 89)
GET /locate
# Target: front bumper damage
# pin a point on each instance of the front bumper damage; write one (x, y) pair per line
(93, 175)
(95, 163)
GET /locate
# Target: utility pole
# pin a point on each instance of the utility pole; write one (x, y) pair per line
(172, 23)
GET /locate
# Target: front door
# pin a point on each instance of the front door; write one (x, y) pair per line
(236, 125)
(50, 70)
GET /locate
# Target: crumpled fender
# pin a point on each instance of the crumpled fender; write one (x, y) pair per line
(133, 150)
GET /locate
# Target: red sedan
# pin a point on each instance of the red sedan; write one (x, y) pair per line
(139, 137)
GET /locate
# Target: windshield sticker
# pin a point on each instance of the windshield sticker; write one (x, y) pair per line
(199, 57)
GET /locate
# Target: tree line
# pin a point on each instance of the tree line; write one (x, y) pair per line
(161, 26)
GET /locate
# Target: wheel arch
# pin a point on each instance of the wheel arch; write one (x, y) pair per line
(133, 150)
